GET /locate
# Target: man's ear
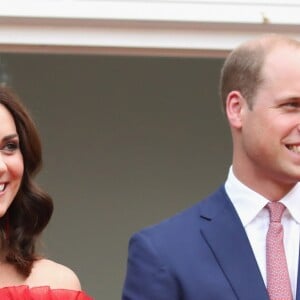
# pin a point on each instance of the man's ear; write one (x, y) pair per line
(235, 103)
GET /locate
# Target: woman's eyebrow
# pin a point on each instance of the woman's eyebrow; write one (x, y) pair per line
(10, 136)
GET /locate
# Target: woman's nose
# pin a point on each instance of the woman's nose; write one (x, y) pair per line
(3, 166)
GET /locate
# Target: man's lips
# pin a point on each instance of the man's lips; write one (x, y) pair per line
(294, 148)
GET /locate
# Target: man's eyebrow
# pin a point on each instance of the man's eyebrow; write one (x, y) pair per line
(289, 98)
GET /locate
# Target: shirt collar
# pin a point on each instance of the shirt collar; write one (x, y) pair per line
(248, 203)
(292, 202)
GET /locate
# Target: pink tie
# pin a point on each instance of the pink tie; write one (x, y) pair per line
(278, 281)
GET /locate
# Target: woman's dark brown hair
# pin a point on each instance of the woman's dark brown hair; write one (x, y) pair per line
(32, 208)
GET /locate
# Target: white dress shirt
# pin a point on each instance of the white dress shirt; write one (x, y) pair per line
(250, 207)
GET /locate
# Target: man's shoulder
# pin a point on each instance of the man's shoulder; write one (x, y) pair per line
(185, 222)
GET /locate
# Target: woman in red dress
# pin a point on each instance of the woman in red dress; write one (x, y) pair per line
(25, 210)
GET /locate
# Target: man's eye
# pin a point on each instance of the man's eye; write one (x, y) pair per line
(293, 104)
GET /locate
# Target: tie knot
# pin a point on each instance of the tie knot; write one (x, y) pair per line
(276, 210)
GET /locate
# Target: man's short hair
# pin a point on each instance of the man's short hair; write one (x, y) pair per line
(242, 69)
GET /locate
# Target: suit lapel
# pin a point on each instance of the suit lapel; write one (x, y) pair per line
(225, 235)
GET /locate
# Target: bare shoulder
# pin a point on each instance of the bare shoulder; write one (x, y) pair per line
(55, 275)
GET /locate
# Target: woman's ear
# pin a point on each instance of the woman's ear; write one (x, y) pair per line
(235, 104)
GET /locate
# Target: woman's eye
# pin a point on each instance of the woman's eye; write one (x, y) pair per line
(10, 147)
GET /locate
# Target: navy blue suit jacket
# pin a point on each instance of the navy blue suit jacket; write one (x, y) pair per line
(202, 253)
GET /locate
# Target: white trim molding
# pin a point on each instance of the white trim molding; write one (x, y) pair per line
(165, 28)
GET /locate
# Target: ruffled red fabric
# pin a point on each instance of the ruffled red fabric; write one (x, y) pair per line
(24, 292)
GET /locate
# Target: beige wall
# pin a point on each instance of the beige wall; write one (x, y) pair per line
(127, 142)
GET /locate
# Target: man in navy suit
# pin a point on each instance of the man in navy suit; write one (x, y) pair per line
(216, 249)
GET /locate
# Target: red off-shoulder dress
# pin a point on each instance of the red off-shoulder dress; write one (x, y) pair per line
(24, 292)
